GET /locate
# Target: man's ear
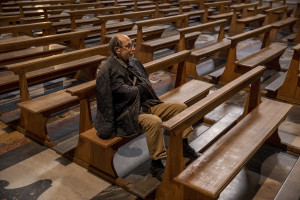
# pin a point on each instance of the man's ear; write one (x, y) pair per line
(117, 49)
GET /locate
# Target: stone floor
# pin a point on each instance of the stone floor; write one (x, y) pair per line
(29, 170)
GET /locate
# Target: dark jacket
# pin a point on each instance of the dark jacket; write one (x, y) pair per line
(118, 90)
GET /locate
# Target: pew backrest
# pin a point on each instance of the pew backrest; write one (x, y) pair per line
(18, 30)
(120, 17)
(150, 22)
(77, 37)
(201, 27)
(78, 14)
(22, 68)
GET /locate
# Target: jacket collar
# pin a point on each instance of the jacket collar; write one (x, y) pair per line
(120, 61)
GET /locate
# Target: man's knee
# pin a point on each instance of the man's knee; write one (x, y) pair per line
(180, 106)
(154, 121)
(151, 122)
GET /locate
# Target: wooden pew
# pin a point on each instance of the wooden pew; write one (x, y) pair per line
(184, 7)
(222, 159)
(276, 3)
(77, 19)
(130, 5)
(148, 33)
(17, 49)
(54, 18)
(9, 20)
(279, 22)
(224, 11)
(97, 154)
(268, 55)
(17, 30)
(220, 45)
(194, 13)
(237, 25)
(11, 45)
(158, 5)
(34, 7)
(35, 112)
(287, 86)
(260, 8)
(145, 49)
(290, 187)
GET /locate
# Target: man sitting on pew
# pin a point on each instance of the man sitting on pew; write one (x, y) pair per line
(128, 105)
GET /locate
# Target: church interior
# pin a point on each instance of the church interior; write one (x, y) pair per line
(241, 55)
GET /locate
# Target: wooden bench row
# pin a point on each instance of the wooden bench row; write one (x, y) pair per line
(47, 17)
(33, 8)
(206, 177)
(26, 29)
(268, 55)
(287, 86)
(35, 112)
(22, 48)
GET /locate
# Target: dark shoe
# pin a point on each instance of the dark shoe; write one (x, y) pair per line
(156, 172)
(188, 151)
(157, 169)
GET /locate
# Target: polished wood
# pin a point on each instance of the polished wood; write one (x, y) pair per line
(271, 60)
(77, 19)
(48, 8)
(36, 112)
(27, 29)
(144, 50)
(222, 6)
(260, 8)
(289, 90)
(204, 51)
(238, 24)
(30, 53)
(8, 20)
(272, 18)
(205, 178)
(35, 6)
(150, 32)
(164, 11)
(76, 38)
(60, 69)
(157, 5)
(96, 154)
(199, 12)
(231, 152)
(265, 55)
(120, 18)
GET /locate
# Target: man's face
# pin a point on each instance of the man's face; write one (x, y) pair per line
(127, 49)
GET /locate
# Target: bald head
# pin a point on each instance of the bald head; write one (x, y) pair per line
(121, 46)
(123, 37)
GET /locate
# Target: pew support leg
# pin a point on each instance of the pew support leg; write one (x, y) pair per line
(275, 141)
(274, 64)
(99, 160)
(35, 126)
(169, 189)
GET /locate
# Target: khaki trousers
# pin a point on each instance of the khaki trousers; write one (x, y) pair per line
(150, 123)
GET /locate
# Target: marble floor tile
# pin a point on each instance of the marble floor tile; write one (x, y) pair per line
(63, 178)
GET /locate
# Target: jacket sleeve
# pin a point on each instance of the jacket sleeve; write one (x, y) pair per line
(105, 122)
